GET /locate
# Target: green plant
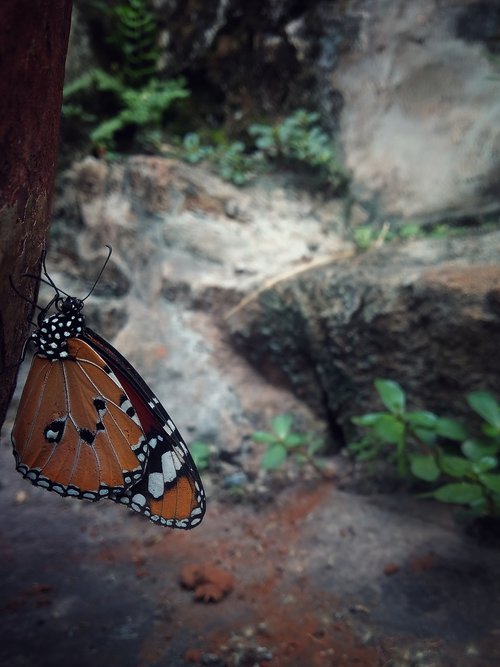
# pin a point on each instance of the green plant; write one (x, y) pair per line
(201, 453)
(130, 32)
(193, 151)
(233, 163)
(129, 96)
(365, 236)
(299, 138)
(437, 450)
(141, 108)
(283, 442)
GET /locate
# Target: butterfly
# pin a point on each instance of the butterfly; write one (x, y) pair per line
(88, 425)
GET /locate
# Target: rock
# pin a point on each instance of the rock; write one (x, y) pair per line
(426, 314)
(187, 248)
(421, 115)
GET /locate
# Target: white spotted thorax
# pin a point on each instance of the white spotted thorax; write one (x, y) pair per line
(51, 338)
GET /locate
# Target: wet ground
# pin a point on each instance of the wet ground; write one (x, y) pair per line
(318, 578)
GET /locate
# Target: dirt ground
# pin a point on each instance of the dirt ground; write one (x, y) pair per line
(318, 578)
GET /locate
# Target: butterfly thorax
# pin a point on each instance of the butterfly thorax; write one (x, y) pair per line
(53, 333)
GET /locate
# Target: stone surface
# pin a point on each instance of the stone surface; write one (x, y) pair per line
(426, 314)
(421, 116)
(187, 247)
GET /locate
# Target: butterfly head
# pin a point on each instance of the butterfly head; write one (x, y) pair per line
(69, 306)
(54, 331)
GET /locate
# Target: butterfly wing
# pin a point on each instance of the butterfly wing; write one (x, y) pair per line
(170, 491)
(76, 432)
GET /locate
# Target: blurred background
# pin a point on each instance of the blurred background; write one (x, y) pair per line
(303, 202)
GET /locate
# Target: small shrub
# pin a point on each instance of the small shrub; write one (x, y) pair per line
(193, 151)
(298, 138)
(282, 442)
(437, 450)
(233, 163)
(130, 96)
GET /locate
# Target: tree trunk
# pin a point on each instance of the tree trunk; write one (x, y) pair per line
(33, 45)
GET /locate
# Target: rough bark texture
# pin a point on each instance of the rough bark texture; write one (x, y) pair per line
(32, 55)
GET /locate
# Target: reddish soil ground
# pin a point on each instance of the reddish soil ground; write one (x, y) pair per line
(317, 578)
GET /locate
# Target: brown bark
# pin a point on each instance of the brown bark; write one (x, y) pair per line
(33, 45)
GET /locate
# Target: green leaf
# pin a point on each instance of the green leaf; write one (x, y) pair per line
(370, 419)
(264, 436)
(200, 452)
(490, 431)
(451, 429)
(425, 435)
(391, 394)
(364, 236)
(389, 429)
(422, 418)
(492, 482)
(461, 493)
(294, 440)
(274, 457)
(476, 450)
(485, 405)
(456, 466)
(485, 464)
(282, 425)
(410, 231)
(424, 467)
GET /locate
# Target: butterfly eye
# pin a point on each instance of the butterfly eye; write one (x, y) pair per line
(59, 303)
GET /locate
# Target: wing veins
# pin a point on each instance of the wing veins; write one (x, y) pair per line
(111, 402)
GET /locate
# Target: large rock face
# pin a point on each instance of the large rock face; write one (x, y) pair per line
(195, 259)
(420, 125)
(426, 314)
(187, 248)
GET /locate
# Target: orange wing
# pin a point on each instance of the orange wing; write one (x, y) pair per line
(169, 493)
(76, 431)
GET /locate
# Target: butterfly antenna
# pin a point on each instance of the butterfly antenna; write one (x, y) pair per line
(110, 250)
(49, 280)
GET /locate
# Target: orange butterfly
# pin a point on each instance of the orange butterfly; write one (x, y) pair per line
(88, 426)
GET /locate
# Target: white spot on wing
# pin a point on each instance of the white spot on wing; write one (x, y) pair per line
(170, 464)
(155, 484)
(139, 499)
